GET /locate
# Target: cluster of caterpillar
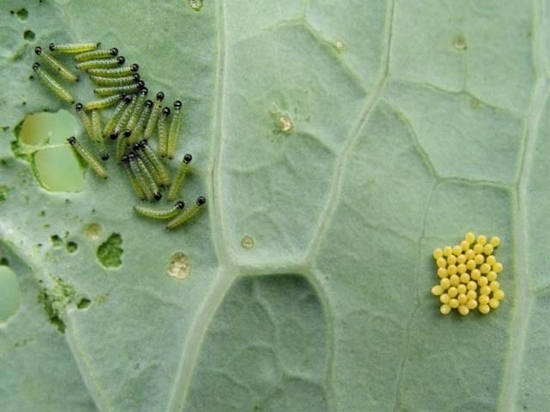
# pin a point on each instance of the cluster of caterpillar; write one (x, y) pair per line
(132, 123)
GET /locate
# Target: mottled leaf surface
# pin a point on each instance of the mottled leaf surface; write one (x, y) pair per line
(337, 144)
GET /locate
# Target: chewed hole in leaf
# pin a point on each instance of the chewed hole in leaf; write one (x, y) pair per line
(71, 247)
(109, 253)
(22, 14)
(29, 35)
(42, 136)
(55, 299)
(56, 241)
(83, 303)
(38, 129)
(58, 170)
(10, 293)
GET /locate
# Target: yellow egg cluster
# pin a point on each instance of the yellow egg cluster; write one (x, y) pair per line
(468, 275)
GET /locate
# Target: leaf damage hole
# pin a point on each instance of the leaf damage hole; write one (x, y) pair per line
(83, 303)
(71, 247)
(3, 192)
(54, 301)
(109, 253)
(22, 14)
(29, 35)
(56, 241)
(10, 292)
(41, 140)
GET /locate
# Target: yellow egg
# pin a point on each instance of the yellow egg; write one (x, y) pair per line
(482, 281)
(471, 264)
(455, 280)
(484, 290)
(498, 294)
(451, 260)
(485, 309)
(479, 259)
(468, 275)
(445, 309)
(491, 276)
(485, 268)
(463, 310)
(437, 290)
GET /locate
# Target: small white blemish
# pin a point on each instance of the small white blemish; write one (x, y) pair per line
(179, 266)
(93, 231)
(247, 242)
(285, 124)
(339, 45)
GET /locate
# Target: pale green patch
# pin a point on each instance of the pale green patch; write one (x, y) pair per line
(43, 137)
(10, 293)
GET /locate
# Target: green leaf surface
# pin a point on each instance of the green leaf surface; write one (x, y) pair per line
(338, 144)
